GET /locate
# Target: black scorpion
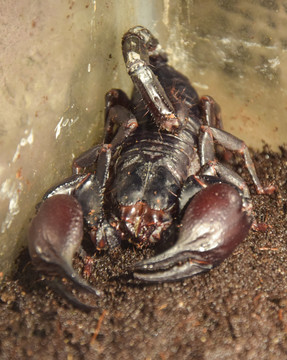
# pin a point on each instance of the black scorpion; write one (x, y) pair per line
(155, 178)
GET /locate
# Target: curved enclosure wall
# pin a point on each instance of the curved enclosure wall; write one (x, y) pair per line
(58, 59)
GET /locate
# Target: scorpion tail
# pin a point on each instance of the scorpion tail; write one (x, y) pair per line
(55, 235)
(213, 224)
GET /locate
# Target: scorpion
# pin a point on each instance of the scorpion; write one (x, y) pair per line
(155, 178)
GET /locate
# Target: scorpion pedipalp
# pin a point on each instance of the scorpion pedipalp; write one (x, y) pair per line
(214, 223)
(55, 235)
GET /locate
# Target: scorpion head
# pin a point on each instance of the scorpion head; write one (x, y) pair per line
(147, 200)
(145, 224)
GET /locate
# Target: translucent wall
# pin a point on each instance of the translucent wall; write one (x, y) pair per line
(59, 57)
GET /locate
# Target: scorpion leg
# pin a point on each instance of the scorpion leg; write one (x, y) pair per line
(214, 130)
(113, 98)
(88, 160)
(117, 112)
(232, 143)
(214, 223)
(212, 112)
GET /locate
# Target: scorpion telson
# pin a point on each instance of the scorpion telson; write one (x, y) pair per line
(154, 178)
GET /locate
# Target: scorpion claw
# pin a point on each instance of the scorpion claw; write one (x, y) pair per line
(61, 290)
(170, 267)
(55, 235)
(214, 223)
(68, 272)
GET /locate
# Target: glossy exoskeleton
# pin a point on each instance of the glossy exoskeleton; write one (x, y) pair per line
(156, 170)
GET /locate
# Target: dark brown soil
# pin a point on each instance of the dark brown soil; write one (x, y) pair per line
(236, 311)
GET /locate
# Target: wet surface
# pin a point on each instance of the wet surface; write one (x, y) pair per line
(236, 311)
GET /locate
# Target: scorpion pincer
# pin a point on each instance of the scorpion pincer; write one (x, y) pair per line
(154, 178)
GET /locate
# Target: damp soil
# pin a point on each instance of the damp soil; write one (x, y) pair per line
(235, 311)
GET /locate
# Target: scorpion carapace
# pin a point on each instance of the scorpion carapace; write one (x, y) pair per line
(156, 170)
